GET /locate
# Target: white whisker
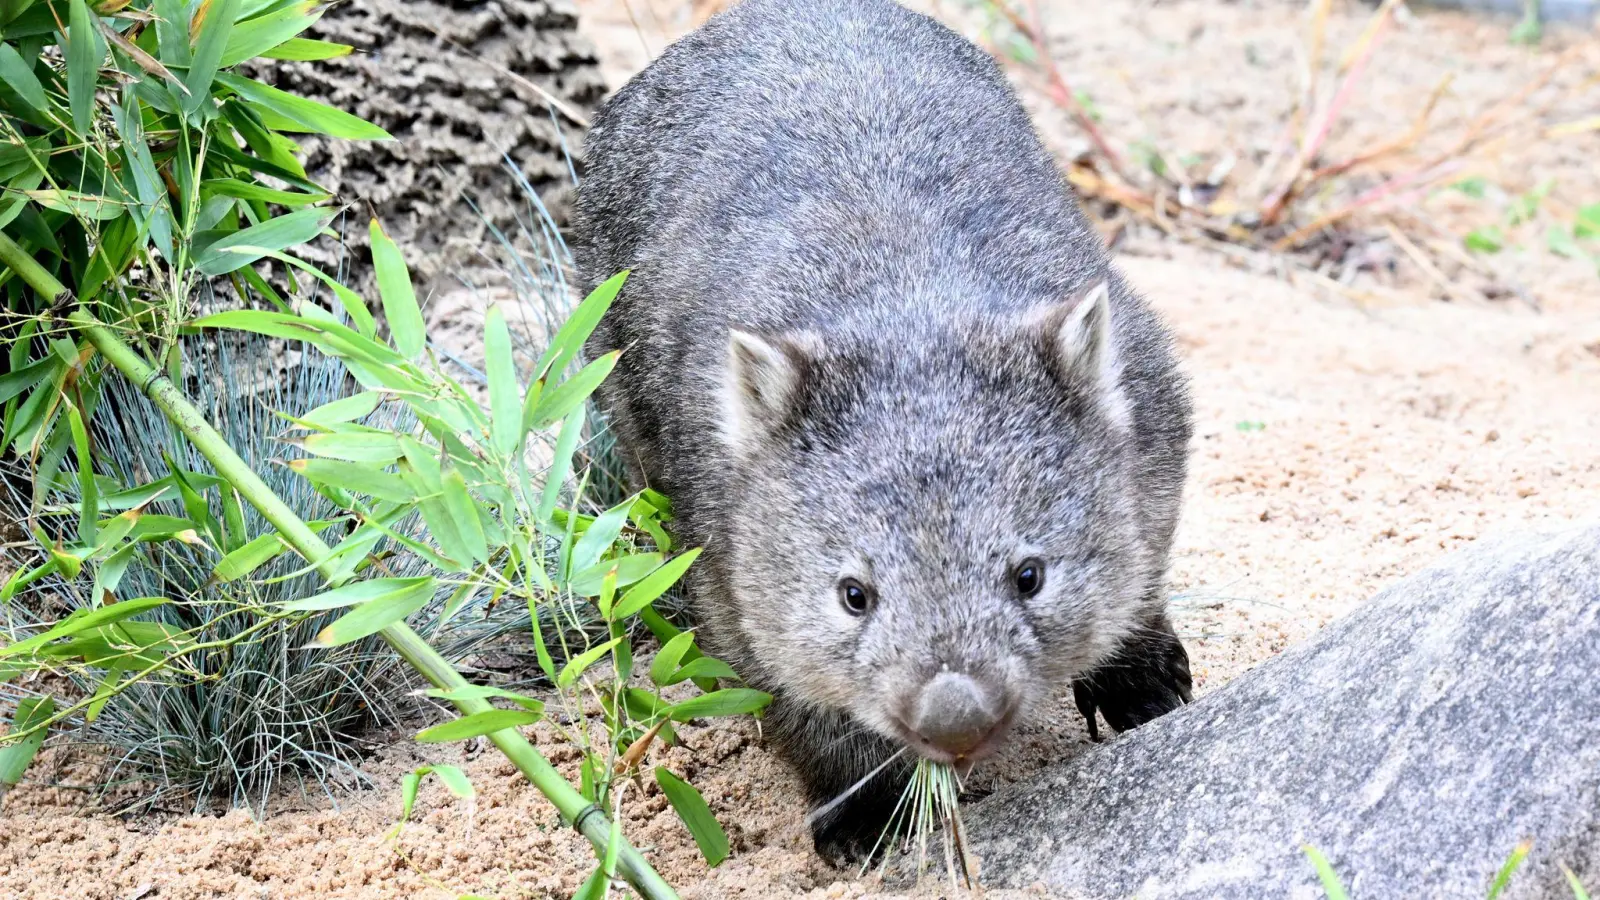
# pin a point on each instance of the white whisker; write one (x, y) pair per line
(833, 804)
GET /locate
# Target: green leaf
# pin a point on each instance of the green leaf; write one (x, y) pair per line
(463, 509)
(476, 725)
(555, 404)
(83, 620)
(505, 400)
(307, 50)
(1475, 187)
(704, 667)
(455, 781)
(249, 190)
(19, 75)
(645, 592)
(345, 409)
(1587, 223)
(375, 615)
(669, 656)
(253, 37)
(88, 492)
(307, 115)
(248, 558)
(1489, 239)
(595, 887)
(570, 338)
(172, 31)
(95, 207)
(599, 536)
(1560, 242)
(408, 791)
(726, 702)
(350, 301)
(1330, 879)
(1513, 862)
(358, 477)
(25, 379)
(578, 664)
(629, 569)
(15, 758)
(213, 40)
(555, 477)
(333, 339)
(696, 815)
(399, 299)
(248, 245)
(485, 692)
(361, 592)
(353, 446)
(85, 51)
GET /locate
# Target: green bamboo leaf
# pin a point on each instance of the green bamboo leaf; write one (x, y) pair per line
(375, 615)
(85, 51)
(15, 758)
(580, 663)
(25, 379)
(645, 592)
(248, 558)
(361, 592)
(485, 692)
(214, 33)
(505, 400)
(249, 190)
(256, 36)
(455, 781)
(108, 575)
(629, 569)
(1513, 862)
(556, 403)
(572, 334)
(1578, 893)
(307, 50)
(19, 75)
(345, 409)
(1586, 224)
(599, 537)
(88, 491)
(83, 620)
(97, 207)
(595, 887)
(555, 477)
(306, 115)
(696, 816)
(335, 340)
(408, 791)
(358, 477)
(353, 446)
(102, 694)
(704, 667)
(399, 299)
(244, 247)
(727, 702)
(669, 656)
(463, 509)
(476, 725)
(172, 31)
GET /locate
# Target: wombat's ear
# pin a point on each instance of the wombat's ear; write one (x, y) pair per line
(760, 387)
(1077, 345)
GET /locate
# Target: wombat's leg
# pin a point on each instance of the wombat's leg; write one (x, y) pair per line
(833, 754)
(1147, 678)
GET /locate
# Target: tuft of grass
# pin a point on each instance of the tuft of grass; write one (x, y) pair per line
(929, 810)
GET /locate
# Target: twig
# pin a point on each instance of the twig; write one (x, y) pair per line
(1060, 92)
(1423, 262)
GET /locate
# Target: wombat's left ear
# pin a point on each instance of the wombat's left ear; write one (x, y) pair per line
(1077, 336)
(761, 385)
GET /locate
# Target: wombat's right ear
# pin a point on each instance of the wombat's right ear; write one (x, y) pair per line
(760, 387)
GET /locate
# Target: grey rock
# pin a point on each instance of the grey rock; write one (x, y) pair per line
(1414, 743)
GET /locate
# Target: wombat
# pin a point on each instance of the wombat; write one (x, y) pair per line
(931, 441)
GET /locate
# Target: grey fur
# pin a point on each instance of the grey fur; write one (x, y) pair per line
(858, 192)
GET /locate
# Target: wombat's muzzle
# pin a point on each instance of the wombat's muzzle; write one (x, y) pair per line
(959, 717)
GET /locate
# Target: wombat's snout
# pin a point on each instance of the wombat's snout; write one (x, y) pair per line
(959, 717)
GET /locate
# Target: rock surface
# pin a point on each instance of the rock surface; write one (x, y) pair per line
(450, 79)
(1414, 742)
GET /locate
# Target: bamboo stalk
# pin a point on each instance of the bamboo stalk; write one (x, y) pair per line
(29, 270)
(589, 819)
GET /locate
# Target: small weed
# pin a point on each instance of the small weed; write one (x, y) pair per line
(1334, 889)
(1249, 425)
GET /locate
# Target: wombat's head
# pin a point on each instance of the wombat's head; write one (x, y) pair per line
(934, 527)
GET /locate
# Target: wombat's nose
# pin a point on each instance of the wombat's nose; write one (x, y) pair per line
(956, 712)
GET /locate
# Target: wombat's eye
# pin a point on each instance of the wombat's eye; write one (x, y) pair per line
(1029, 577)
(857, 599)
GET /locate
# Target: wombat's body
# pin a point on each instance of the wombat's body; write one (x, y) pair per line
(932, 443)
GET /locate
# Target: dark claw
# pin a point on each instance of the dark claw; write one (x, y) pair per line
(1147, 678)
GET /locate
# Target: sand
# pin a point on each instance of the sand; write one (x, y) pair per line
(1340, 445)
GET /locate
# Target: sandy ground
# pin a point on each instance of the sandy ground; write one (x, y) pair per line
(1340, 446)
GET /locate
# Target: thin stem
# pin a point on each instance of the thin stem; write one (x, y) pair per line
(589, 819)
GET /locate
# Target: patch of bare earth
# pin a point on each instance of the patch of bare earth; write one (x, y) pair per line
(1340, 446)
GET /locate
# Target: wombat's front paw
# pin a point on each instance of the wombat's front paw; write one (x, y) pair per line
(1148, 677)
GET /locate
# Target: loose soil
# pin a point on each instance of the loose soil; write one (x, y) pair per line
(1345, 438)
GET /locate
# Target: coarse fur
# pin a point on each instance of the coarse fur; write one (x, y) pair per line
(868, 335)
